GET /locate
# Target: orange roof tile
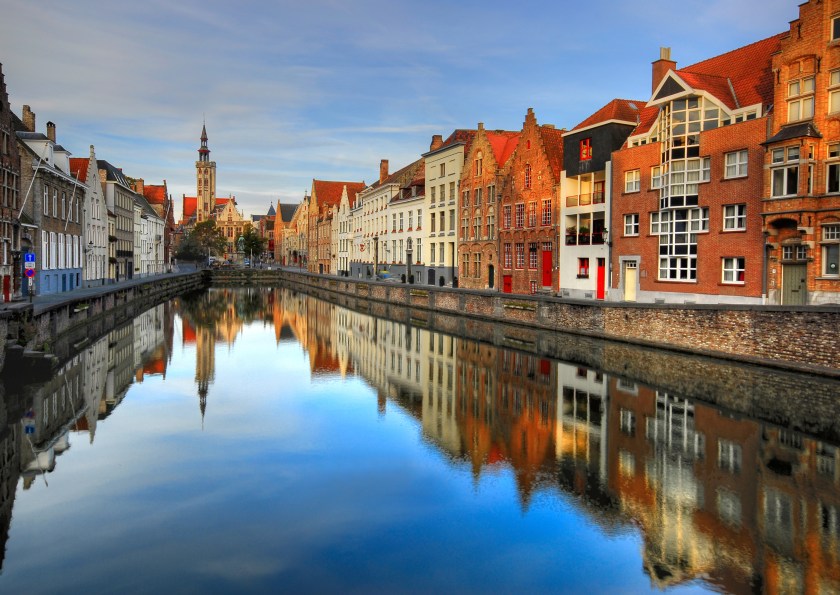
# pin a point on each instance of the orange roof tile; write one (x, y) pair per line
(79, 168)
(552, 140)
(647, 118)
(624, 110)
(329, 193)
(748, 68)
(503, 143)
(155, 195)
(189, 206)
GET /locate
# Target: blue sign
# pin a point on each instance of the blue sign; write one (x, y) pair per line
(29, 257)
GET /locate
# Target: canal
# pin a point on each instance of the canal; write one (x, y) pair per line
(263, 440)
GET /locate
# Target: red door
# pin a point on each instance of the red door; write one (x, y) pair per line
(507, 283)
(7, 288)
(602, 279)
(547, 262)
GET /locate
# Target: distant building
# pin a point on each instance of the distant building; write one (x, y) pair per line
(11, 266)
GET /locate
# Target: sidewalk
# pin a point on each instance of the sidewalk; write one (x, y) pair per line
(43, 302)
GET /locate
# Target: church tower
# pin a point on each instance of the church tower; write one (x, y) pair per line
(205, 174)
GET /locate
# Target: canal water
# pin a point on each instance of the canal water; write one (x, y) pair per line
(265, 441)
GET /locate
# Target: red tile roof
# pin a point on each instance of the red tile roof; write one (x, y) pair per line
(189, 207)
(748, 68)
(647, 118)
(460, 135)
(503, 143)
(79, 168)
(329, 193)
(552, 140)
(155, 195)
(624, 110)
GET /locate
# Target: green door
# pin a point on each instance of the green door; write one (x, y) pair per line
(794, 287)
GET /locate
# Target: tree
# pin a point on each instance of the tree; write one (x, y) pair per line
(205, 238)
(253, 243)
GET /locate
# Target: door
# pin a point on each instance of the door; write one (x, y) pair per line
(431, 277)
(491, 276)
(507, 283)
(7, 288)
(547, 262)
(600, 288)
(794, 285)
(630, 280)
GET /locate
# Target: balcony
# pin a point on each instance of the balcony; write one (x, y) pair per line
(582, 200)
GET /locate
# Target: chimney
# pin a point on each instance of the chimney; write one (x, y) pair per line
(383, 170)
(481, 126)
(51, 131)
(437, 141)
(139, 185)
(661, 67)
(28, 119)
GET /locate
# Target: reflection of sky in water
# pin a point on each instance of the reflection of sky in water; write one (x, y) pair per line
(291, 486)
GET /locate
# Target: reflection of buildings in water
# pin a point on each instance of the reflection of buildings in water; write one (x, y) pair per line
(94, 382)
(10, 445)
(120, 368)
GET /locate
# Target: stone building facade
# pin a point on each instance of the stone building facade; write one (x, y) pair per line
(10, 229)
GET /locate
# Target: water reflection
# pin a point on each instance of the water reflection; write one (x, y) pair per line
(739, 503)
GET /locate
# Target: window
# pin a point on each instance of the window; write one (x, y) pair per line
(520, 255)
(656, 177)
(794, 252)
(831, 249)
(532, 214)
(452, 191)
(835, 28)
(46, 200)
(478, 164)
(833, 168)
(508, 256)
(532, 256)
(659, 222)
(583, 268)
(736, 164)
(733, 270)
(546, 212)
(55, 203)
(442, 170)
(834, 91)
(441, 248)
(393, 222)
(734, 217)
(507, 217)
(491, 226)
(631, 181)
(785, 175)
(520, 215)
(527, 175)
(491, 194)
(801, 99)
(631, 224)
(465, 198)
(477, 265)
(586, 149)
(477, 193)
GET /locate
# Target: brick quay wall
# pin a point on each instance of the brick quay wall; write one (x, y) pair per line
(800, 338)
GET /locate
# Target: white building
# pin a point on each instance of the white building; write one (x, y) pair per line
(95, 222)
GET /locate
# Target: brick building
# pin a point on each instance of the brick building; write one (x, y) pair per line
(686, 209)
(479, 210)
(10, 260)
(529, 202)
(802, 161)
(325, 196)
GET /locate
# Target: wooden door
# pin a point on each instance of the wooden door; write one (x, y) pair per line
(630, 280)
(547, 262)
(794, 284)
(600, 288)
(507, 283)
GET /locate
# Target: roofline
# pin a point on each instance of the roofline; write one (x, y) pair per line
(602, 123)
(445, 147)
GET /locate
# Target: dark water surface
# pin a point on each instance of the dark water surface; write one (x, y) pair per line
(264, 441)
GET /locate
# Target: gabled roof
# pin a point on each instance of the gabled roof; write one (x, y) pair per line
(271, 211)
(647, 118)
(329, 193)
(79, 167)
(621, 110)
(113, 174)
(503, 143)
(190, 203)
(552, 140)
(155, 194)
(459, 135)
(287, 212)
(739, 78)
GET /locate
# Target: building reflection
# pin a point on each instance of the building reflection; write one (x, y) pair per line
(741, 504)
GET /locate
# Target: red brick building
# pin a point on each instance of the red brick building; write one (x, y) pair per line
(802, 160)
(529, 209)
(10, 231)
(687, 185)
(479, 209)
(324, 198)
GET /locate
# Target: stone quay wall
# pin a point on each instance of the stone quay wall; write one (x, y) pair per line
(802, 338)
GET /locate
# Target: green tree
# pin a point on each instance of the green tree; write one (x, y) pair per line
(205, 238)
(253, 243)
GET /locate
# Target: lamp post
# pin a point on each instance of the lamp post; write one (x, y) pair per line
(375, 257)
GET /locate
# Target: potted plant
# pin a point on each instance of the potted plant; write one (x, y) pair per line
(571, 235)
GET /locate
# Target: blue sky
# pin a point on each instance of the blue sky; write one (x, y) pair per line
(325, 89)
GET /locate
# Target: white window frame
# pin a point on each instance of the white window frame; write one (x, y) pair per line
(831, 244)
(735, 217)
(785, 160)
(733, 268)
(800, 102)
(631, 224)
(632, 181)
(834, 91)
(832, 169)
(656, 177)
(736, 164)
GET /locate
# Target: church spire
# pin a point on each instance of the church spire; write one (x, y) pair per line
(204, 152)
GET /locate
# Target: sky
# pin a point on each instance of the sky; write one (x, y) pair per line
(325, 89)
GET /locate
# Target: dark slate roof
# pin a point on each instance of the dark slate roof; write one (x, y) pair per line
(114, 174)
(287, 212)
(23, 135)
(803, 129)
(271, 211)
